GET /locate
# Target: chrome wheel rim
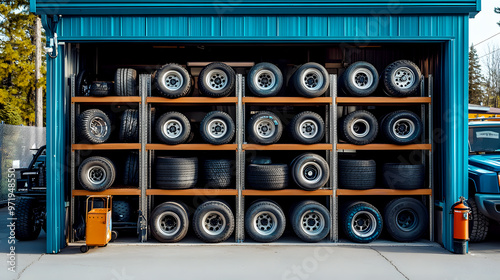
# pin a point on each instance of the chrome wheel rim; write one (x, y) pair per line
(403, 78)
(173, 80)
(311, 172)
(217, 128)
(406, 220)
(362, 78)
(168, 223)
(213, 223)
(265, 223)
(264, 128)
(96, 175)
(312, 79)
(363, 224)
(216, 79)
(312, 222)
(98, 127)
(308, 129)
(360, 128)
(403, 128)
(264, 80)
(172, 129)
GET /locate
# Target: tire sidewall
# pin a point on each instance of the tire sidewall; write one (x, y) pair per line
(350, 214)
(255, 89)
(223, 210)
(228, 122)
(347, 79)
(231, 80)
(186, 128)
(159, 79)
(393, 90)
(352, 119)
(394, 208)
(92, 162)
(301, 89)
(179, 211)
(298, 212)
(258, 208)
(252, 129)
(310, 160)
(391, 119)
(296, 122)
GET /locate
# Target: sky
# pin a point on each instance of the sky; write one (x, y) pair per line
(484, 26)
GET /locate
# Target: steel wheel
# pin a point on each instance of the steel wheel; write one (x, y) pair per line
(403, 128)
(265, 128)
(308, 129)
(311, 172)
(407, 220)
(363, 224)
(213, 223)
(403, 78)
(312, 222)
(216, 79)
(173, 80)
(217, 128)
(98, 127)
(265, 79)
(168, 223)
(362, 78)
(265, 223)
(172, 128)
(360, 128)
(312, 79)
(97, 175)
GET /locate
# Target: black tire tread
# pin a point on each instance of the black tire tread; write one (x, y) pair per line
(25, 228)
(479, 224)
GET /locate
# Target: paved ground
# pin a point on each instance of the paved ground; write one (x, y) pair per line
(194, 260)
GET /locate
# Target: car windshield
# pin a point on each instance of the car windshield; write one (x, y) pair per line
(484, 139)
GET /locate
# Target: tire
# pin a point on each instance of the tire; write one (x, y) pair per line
(265, 221)
(173, 128)
(94, 126)
(362, 222)
(401, 78)
(310, 171)
(310, 221)
(357, 174)
(129, 126)
(479, 224)
(405, 219)
(120, 211)
(217, 128)
(82, 83)
(125, 81)
(264, 128)
(402, 127)
(359, 127)
(131, 174)
(310, 80)
(96, 173)
(213, 221)
(267, 176)
(403, 176)
(307, 128)
(265, 79)
(27, 225)
(176, 173)
(217, 80)
(169, 222)
(101, 88)
(173, 81)
(359, 79)
(217, 173)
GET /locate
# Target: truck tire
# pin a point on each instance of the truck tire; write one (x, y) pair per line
(359, 79)
(129, 126)
(169, 222)
(402, 127)
(310, 171)
(307, 128)
(100, 89)
(131, 174)
(94, 126)
(403, 176)
(479, 224)
(217, 173)
(359, 127)
(27, 225)
(173, 128)
(213, 221)
(217, 80)
(176, 173)
(310, 221)
(82, 83)
(173, 81)
(405, 219)
(362, 222)
(267, 176)
(125, 81)
(96, 173)
(264, 128)
(357, 174)
(265, 79)
(310, 80)
(265, 221)
(401, 78)
(120, 211)
(217, 128)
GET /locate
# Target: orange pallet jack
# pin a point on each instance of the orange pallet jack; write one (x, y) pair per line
(98, 223)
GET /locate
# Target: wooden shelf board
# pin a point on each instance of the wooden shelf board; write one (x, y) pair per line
(287, 147)
(192, 147)
(106, 99)
(286, 193)
(384, 147)
(287, 100)
(383, 100)
(192, 100)
(108, 192)
(204, 192)
(107, 146)
(232, 64)
(384, 192)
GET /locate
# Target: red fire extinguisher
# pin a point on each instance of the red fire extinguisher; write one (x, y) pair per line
(461, 214)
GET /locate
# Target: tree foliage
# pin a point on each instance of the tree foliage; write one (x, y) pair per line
(17, 61)
(476, 94)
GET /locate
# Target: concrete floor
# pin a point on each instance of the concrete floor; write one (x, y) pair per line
(284, 260)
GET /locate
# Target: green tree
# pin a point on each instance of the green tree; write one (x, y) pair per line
(17, 61)
(476, 80)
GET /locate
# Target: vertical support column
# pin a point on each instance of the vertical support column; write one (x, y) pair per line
(144, 88)
(431, 158)
(72, 164)
(56, 146)
(240, 161)
(334, 202)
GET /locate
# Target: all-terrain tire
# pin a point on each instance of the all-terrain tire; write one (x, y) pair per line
(357, 174)
(479, 224)
(96, 173)
(267, 176)
(265, 79)
(265, 221)
(217, 80)
(173, 128)
(126, 82)
(405, 219)
(100, 89)
(129, 126)
(362, 222)
(169, 222)
(94, 126)
(401, 78)
(264, 128)
(131, 174)
(217, 173)
(307, 128)
(217, 128)
(27, 226)
(213, 221)
(359, 127)
(310, 221)
(173, 81)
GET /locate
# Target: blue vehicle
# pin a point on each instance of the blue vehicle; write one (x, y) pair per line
(484, 176)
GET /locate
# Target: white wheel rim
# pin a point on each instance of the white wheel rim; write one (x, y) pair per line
(96, 175)
(173, 80)
(264, 80)
(217, 128)
(265, 223)
(98, 127)
(312, 79)
(216, 79)
(213, 223)
(403, 128)
(264, 128)
(172, 129)
(403, 77)
(308, 129)
(168, 223)
(362, 78)
(360, 128)
(363, 224)
(311, 172)
(312, 222)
